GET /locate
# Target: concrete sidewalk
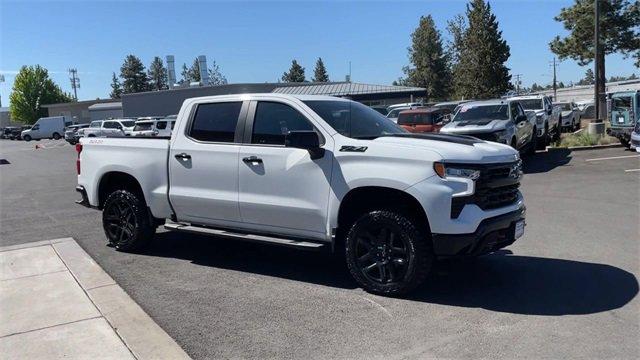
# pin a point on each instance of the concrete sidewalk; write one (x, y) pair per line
(56, 302)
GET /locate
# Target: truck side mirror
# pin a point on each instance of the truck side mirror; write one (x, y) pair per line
(308, 140)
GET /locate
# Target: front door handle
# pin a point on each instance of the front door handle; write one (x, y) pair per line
(252, 160)
(183, 156)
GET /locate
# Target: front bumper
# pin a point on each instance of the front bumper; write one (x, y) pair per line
(492, 234)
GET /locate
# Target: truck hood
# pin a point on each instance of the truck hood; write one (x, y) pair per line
(453, 148)
(566, 113)
(464, 127)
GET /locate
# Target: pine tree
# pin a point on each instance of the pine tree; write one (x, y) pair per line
(185, 74)
(134, 76)
(481, 72)
(619, 33)
(295, 73)
(320, 72)
(430, 63)
(589, 78)
(215, 75)
(157, 75)
(116, 88)
(194, 71)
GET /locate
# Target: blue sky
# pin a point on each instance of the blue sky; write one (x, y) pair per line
(255, 41)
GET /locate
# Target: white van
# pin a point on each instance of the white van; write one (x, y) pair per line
(47, 128)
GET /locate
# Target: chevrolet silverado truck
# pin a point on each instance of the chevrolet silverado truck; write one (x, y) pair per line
(500, 120)
(548, 117)
(309, 172)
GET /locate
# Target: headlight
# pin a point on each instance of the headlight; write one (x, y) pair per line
(445, 171)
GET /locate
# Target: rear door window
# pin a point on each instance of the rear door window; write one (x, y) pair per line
(161, 125)
(216, 122)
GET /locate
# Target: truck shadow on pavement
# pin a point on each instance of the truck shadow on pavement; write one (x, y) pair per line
(498, 282)
(546, 161)
(529, 285)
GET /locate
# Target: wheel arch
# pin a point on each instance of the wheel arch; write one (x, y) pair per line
(117, 180)
(361, 199)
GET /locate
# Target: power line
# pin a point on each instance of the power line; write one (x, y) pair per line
(518, 82)
(75, 81)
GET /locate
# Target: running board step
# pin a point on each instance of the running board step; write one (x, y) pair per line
(299, 244)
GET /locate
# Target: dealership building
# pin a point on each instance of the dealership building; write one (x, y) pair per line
(168, 102)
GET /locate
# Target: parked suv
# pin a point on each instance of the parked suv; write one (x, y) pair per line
(309, 172)
(109, 128)
(154, 126)
(570, 116)
(503, 121)
(423, 120)
(547, 117)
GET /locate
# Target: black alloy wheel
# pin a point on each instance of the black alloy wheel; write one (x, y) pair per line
(126, 221)
(387, 253)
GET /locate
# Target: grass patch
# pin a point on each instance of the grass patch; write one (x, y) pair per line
(583, 138)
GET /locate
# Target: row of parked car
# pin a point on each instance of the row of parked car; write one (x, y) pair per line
(524, 122)
(56, 127)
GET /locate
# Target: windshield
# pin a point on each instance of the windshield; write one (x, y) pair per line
(482, 113)
(531, 104)
(96, 124)
(143, 126)
(564, 106)
(622, 103)
(128, 123)
(353, 119)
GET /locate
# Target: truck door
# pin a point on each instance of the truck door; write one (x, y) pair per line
(282, 189)
(203, 164)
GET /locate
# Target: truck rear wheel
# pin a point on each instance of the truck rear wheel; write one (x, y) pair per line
(387, 254)
(126, 221)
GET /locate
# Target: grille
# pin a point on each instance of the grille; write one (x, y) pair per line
(485, 136)
(495, 188)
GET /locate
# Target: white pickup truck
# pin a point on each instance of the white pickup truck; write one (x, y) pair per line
(548, 117)
(309, 172)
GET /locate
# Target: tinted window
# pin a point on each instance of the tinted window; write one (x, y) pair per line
(161, 125)
(143, 126)
(353, 119)
(96, 124)
(415, 118)
(216, 122)
(273, 121)
(110, 125)
(532, 104)
(128, 123)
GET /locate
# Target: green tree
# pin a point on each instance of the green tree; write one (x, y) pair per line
(430, 68)
(215, 75)
(33, 88)
(193, 74)
(157, 75)
(185, 74)
(295, 73)
(116, 87)
(619, 33)
(588, 79)
(133, 74)
(320, 72)
(456, 28)
(481, 72)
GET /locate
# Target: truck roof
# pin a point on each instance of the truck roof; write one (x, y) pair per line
(488, 102)
(526, 97)
(251, 96)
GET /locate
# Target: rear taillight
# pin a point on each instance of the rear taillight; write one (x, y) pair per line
(78, 150)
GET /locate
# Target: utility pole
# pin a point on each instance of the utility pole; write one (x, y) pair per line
(517, 83)
(1, 81)
(597, 50)
(555, 84)
(75, 82)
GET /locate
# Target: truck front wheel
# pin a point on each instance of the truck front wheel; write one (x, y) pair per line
(126, 221)
(387, 254)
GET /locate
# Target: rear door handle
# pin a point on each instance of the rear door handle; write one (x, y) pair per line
(252, 159)
(183, 156)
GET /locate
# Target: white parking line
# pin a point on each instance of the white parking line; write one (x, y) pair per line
(614, 157)
(632, 170)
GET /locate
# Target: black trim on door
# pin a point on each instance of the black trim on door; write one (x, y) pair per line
(240, 128)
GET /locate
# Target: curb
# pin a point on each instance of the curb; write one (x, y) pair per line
(139, 332)
(591, 147)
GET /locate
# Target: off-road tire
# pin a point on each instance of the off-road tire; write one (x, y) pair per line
(413, 238)
(126, 221)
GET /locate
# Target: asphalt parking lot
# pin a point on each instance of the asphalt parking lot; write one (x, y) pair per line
(568, 288)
